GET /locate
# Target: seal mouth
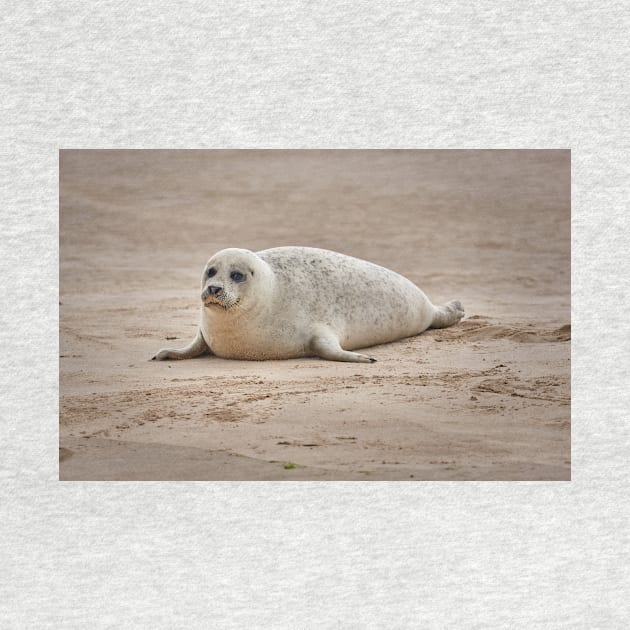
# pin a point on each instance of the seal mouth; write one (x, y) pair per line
(209, 303)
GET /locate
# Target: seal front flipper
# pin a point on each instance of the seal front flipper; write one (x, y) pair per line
(195, 348)
(328, 347)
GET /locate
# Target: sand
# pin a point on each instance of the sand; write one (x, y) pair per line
(487, 399)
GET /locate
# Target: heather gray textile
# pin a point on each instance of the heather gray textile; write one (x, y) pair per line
(304, 75)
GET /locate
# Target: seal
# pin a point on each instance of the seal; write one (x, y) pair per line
(290, 302)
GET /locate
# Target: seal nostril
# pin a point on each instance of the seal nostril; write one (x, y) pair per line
(214, 290)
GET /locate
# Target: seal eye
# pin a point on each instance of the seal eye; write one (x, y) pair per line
(237, 276)
(211, 272)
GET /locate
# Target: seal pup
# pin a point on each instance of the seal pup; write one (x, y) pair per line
(290, 302)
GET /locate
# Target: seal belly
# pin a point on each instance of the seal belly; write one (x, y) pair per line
(252, 343)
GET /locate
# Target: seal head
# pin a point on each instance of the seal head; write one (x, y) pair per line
(229, 278)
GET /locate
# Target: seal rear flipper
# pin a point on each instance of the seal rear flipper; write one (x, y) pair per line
(328, 347)
(447, 315)
(195, 348)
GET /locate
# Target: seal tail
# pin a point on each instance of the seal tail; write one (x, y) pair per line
(447, 315)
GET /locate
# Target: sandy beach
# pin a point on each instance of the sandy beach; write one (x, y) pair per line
(487, 399)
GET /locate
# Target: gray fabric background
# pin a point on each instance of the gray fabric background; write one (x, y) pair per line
(304, 75)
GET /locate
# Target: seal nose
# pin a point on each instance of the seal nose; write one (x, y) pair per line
(214, 290)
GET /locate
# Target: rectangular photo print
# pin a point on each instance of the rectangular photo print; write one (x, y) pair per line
(263, 315)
